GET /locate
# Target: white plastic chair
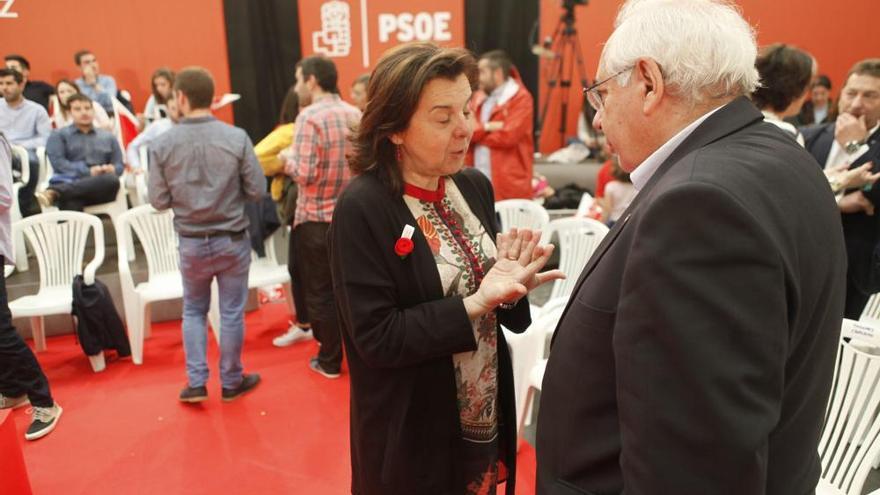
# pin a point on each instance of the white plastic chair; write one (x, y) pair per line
(584, 206)
(849, 441)
(58, 240)
(112, 208)
(578, 239)
(155, 230)
(871, 313)
(526, 349)
(140, 195)
(20, 250)
(522, 214)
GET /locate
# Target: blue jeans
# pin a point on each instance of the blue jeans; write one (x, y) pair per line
(228, 259)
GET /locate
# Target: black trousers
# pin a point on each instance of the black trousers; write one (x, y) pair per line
(297, 284)
(87, 191)
(20, 373)
(312, 261)
(856, 300)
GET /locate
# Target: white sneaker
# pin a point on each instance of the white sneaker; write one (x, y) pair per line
(293, 334)
(45, 420)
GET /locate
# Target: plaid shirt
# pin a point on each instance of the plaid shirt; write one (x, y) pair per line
(318, 164)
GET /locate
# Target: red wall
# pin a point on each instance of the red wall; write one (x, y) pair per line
(838, 33)
(130, 38)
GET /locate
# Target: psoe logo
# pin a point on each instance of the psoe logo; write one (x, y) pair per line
(334, 38)
(5, 10)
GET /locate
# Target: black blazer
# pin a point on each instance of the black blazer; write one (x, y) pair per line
(861, 231)
(400, 333)
(697, 350)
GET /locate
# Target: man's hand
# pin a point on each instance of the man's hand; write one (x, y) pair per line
(859, 176)
(493, 125)
(850, 128)
(90, 75)
(855, 202)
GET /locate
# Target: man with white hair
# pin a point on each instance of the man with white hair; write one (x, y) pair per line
(697, 351)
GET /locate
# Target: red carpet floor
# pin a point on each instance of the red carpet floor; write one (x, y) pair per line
(124, 432)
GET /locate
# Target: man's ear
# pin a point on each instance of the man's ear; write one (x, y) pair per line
(650, 76)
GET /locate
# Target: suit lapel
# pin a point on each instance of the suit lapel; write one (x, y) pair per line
(873, 148)
(823, 145)
(734, 116)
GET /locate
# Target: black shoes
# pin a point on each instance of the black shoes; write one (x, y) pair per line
(248, 383)
(193, 394)
(45, 420)
(315, 366)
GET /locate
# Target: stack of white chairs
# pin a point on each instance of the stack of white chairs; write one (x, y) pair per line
(849, 442)
(141, 194)
(578, 239)
(521, 214)
(527, 352)
(155, 230)
(58, 240)
(265, 271)
(21, 260)
(871, 313)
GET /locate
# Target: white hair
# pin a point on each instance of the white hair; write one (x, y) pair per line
(705, 49)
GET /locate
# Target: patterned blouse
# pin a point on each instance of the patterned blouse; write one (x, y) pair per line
(464, 251)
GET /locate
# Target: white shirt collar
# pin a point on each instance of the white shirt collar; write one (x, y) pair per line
(502, 93)
(643, 172)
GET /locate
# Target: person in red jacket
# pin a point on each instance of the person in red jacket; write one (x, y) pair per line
(502, 145)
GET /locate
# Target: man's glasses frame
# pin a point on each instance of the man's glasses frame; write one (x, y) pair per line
(593, 95)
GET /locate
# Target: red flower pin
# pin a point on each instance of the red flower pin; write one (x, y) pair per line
(405, 245)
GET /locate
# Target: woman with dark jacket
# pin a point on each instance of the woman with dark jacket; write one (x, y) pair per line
(422, 287)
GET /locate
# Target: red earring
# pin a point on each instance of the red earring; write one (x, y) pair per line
(398, 153)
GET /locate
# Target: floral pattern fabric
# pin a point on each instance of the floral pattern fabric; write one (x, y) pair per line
(463, 251)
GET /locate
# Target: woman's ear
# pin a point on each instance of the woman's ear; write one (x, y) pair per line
(396, 138)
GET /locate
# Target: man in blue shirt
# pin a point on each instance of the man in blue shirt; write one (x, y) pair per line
(98, 87)
(86, 162)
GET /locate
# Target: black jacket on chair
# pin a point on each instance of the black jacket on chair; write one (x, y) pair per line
(98, 326)
(400, 333)
(861, 231)
(697, 351)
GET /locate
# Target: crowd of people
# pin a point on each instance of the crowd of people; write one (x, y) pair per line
(740, 197)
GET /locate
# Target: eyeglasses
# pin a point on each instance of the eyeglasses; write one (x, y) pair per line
(593, 95)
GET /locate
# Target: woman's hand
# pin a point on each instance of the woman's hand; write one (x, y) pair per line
(515, 272)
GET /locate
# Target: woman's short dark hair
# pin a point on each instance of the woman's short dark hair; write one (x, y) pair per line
(289, 107)
(822, 80)
(198, 86)
(785, 73)
(394, 91)
(165, 73)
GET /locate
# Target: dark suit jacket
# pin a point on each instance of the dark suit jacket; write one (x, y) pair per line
(861, 231)
(400, 333)
(697, 350)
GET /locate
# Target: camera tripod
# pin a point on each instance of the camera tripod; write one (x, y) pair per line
(564, 45)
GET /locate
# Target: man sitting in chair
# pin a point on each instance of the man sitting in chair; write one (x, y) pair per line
(86, 162)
